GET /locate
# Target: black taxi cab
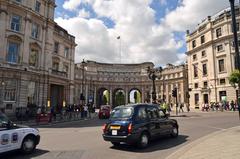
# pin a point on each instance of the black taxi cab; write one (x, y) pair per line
(138, 124)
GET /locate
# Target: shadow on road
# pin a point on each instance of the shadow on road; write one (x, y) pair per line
(163, 143)
(19, 155)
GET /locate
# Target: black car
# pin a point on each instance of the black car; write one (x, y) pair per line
(138, 124)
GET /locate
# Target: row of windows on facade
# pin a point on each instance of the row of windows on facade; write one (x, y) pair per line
(222, 81)
(13, 56)
(15, 26)
(196, 97)
(37, 6)
(219, 48)
(9, 91)
(221, 68)
(218, 34)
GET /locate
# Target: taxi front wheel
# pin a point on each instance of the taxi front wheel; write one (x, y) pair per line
(28, 145)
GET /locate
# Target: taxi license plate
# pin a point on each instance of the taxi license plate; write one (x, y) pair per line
(115, 127)
(114, 132)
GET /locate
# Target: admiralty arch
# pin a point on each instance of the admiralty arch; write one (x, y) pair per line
(117, 84)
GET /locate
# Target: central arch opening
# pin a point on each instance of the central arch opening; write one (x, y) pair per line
(135, 96)
(119, 97)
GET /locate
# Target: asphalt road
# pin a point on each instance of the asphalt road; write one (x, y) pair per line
(83, 139)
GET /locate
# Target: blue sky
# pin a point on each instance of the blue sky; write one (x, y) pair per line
(150, 30)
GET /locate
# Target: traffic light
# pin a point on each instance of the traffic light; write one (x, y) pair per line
(174, 92)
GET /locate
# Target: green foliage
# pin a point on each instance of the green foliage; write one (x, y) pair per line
(234, 78)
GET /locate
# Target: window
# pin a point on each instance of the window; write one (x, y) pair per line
(142, 113)
(31, 93)
(222, 81)
(204, 53)
(33, 58)
(196, 85)
(193, 43)
(194, 57)
(205, 84)
(56, 47)
(66, 52)
(219, 48)
(10, 90)
(55, 66)
(195, 71)
(16, 23)
(35, 30)
(152, 112)
(204, 67)
(13, 52)
(196, 98)
(218, 32)
(37, 6)
(202, 39)
(221, 65)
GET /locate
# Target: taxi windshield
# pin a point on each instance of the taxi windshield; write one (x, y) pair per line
(122, 113)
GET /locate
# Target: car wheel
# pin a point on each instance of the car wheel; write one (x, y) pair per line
(28, 145)
(174, 132)
(115, 143)
(143, 140)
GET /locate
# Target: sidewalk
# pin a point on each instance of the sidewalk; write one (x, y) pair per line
(224, 144)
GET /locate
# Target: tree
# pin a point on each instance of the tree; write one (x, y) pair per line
(234, 80)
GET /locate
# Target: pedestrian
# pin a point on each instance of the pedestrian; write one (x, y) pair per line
(188, 107)
(39, 111)
(27, 113)
(232, 105)
(181, 107)
(85, 109)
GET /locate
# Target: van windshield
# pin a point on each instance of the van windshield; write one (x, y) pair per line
(122, 113)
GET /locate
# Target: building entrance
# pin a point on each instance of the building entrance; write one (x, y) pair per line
(57, 97)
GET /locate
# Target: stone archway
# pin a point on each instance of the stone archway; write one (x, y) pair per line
(103, 97)
(119, 97)
(134, 96)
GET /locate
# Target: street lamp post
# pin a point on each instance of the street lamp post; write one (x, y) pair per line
(152, 76)
(82, 98)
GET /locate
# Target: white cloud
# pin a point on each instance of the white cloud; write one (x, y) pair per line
(83, 13)
(142, 39)
(191, 12)
(71, 4)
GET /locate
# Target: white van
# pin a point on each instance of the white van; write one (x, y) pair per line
(17, 137)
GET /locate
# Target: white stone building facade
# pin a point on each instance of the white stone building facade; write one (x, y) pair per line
(211, 59)
(36, 56)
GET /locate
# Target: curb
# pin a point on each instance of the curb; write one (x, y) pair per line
(52, 123)
(183, 150)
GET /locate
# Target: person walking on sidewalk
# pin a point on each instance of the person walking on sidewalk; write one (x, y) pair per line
(181, 107)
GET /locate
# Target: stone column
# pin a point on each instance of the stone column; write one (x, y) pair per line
(111, 96)
(142, 94)
(3, 44)
(95, 96)
(26, 41)
(126, 96)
